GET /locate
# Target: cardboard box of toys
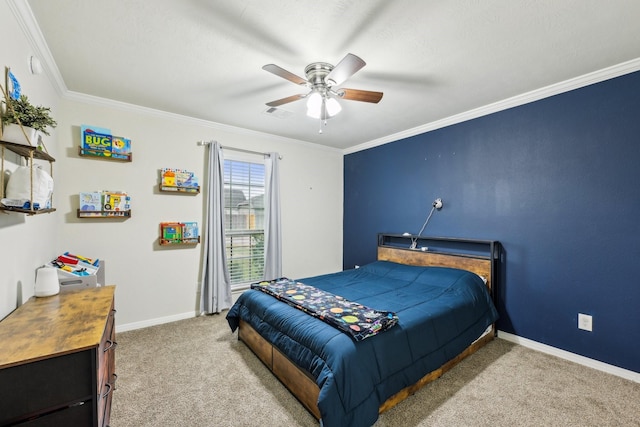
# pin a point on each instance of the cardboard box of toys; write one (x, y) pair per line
(76, 271)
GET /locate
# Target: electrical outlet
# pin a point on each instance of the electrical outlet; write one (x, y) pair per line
(585, 322)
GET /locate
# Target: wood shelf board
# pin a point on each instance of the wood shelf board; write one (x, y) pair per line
(96, 154)
(167, 242)
(27, 211)
(176, 189)
(27, 151)
(104, 214)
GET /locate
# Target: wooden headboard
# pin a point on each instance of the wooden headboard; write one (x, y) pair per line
(396, 248)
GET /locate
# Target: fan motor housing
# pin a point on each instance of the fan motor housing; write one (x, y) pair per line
(316, 72)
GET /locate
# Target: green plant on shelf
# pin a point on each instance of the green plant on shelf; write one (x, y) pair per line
(22, 112)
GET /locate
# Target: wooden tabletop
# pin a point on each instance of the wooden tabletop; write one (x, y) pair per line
(55, 325)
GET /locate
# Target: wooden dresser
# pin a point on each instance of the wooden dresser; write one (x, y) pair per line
(57, 360)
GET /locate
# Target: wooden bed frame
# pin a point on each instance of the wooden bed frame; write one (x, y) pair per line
(300, 382)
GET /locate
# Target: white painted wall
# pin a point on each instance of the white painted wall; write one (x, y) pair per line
(155, 283)
(159, 283)
(26, 242)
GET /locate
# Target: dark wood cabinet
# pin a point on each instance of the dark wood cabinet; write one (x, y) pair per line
(57, 360)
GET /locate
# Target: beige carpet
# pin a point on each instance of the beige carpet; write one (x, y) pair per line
(196, 373)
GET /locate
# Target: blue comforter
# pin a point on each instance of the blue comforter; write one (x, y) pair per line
(441, 311)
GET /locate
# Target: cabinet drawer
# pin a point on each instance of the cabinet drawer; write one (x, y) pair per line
(77, 416)
(46, 385)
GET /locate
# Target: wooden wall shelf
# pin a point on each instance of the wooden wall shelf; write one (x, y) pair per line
(27, 211)
(27, 151)
(187, 241)
(176, 189)
(97, 154)
(30, 153)
(104, 214)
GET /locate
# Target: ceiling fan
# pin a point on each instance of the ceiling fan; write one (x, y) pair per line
(322, 79)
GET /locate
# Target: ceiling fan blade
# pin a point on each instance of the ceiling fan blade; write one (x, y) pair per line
(345, 69)
(281, 72)
(285, 100)
(360, 95)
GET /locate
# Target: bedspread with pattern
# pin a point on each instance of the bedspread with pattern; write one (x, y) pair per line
(352, 318)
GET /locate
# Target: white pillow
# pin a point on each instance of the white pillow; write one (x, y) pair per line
(19, 186)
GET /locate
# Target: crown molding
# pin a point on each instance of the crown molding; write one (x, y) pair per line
(525, 98)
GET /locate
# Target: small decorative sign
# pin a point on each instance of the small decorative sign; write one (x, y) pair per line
(14, 86)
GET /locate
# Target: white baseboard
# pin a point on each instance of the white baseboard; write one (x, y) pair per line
(168, 319)
(591, 363)
(154, 322)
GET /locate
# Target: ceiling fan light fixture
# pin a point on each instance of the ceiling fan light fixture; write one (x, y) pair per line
(314, 105)
(322, 107)
(333, 107)
(321, 77)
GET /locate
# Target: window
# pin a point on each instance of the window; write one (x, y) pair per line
(244, 220)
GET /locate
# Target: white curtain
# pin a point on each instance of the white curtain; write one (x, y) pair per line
(215, 289)
(272, 230)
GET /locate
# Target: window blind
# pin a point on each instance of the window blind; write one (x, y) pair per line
(244, 220)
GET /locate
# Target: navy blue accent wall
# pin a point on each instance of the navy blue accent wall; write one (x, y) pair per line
(556, 181)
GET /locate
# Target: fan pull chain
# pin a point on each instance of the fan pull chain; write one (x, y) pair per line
(321, 123)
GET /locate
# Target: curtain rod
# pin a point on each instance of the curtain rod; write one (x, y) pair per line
(242, 150)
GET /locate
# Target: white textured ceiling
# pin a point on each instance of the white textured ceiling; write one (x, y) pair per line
(432, 59)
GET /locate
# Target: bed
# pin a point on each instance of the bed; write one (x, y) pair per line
(444, 307)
